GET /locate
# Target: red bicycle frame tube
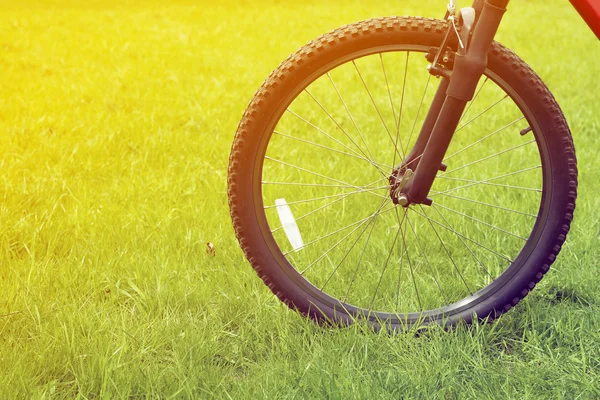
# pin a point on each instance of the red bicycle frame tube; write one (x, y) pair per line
(590, 12)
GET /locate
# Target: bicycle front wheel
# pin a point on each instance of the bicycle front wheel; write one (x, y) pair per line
(309, 182)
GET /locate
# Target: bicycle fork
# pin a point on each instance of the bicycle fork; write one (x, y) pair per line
(412, 180)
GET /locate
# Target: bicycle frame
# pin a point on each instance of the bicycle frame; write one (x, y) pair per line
(590, 12)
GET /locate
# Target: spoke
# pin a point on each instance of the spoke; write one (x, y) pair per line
(307, 184)
(349, 113)
(463, 236)
(328, 135)
(481, 113)
(401, 256)
(474, 183)
(387, 84)
(426, 259)
(329, 197)
(334, 246)
(387, 261)
(316, 173)
(418, 112)
(368, 157)
(314, 211)
(358, 263)
(486, 181)
(489, 205)
(375, 105)
(351, 247)
(362, 221)
(321, 208)
(488, 157)
(482, 139)
(374, 163)
(473, 101)
(359, 223)
(412, 274)
(481, 222)
(396, 121)
(465, 244)
(446, 250)
(400, 114)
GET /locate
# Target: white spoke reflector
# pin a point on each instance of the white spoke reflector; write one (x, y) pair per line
(288, 222)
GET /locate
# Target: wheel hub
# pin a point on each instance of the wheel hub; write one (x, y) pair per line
(398, 180)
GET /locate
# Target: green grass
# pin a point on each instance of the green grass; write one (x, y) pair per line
(117, 122)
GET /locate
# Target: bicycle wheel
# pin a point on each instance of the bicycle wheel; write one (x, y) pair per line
(309, 190)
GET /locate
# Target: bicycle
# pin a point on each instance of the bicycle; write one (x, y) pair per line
(353, 203)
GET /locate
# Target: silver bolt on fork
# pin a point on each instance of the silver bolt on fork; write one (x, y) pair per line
(403, 200)
(451, 7)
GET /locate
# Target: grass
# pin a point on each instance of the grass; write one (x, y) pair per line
(117, 121)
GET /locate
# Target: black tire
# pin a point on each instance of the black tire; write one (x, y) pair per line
(508, 71)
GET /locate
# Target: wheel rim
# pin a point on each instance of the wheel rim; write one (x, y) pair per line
(330, 163)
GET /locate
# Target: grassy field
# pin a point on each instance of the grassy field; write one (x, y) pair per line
(118, 120)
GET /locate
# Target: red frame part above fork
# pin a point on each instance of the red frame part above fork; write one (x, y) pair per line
(590, 12)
